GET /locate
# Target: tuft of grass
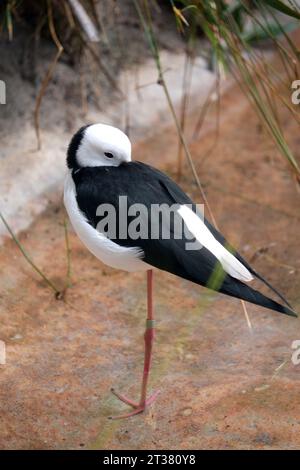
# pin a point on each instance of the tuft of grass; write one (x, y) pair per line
(59, 294)
(68, 282)
(29, 260)
(49, 73)
(233, 30)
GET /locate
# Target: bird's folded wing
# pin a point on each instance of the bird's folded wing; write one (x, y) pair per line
(199, 228)
(203, 235)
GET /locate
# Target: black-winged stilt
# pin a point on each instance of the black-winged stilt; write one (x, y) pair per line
(100, 172)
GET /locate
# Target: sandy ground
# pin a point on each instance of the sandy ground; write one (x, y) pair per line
(222, 386)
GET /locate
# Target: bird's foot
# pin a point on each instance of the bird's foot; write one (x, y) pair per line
(137, 407)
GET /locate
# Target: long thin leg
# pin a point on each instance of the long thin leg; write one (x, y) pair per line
(148, 337)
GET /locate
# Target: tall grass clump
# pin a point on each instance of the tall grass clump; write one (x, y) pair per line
(236, 30)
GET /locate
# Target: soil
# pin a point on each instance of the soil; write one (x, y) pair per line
(78, 82)
(223, 386)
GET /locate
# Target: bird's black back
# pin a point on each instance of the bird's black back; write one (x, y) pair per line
(142, 184)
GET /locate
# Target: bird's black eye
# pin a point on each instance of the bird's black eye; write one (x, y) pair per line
(108, 155)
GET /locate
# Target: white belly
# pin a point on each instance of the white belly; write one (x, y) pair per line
(107, 251)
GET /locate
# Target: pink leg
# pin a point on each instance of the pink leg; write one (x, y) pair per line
(149, 335)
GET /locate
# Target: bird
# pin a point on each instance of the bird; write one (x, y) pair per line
(100, 173)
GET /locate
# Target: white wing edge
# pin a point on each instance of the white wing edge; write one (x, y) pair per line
(204, 236)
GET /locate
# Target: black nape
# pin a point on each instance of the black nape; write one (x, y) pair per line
(73, 147)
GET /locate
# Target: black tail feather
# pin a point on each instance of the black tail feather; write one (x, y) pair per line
(242, 291)
(271, 287)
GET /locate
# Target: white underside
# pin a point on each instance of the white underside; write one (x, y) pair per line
(129, 259)
(110, 253)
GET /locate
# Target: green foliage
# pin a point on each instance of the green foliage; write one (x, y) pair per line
(233, 30)
(283, 8)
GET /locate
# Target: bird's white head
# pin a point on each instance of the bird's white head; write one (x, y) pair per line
(98, 145)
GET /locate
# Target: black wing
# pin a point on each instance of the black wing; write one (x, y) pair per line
(143, 184)
(177, 194)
